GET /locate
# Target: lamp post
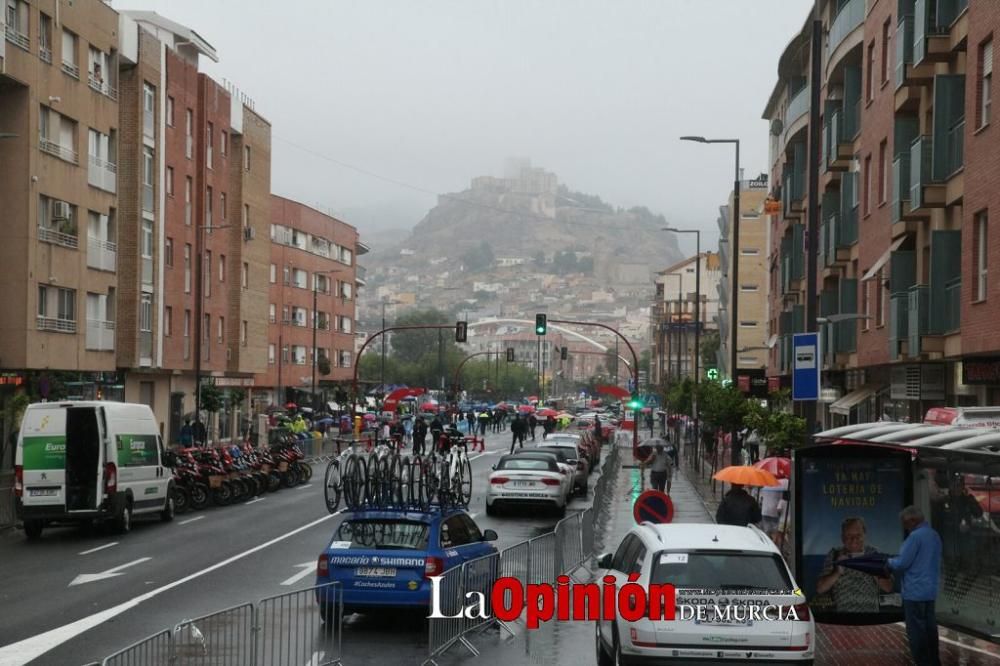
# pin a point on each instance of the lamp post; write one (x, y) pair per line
(734, 270)
(199, 315)
(315, 323)
(697, 317)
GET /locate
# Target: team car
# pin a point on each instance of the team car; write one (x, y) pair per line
(532, 478)
(386, 558)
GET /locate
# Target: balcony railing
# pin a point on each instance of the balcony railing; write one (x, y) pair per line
(58, 150)
(100, 335)
(953, 305)
(851, 16)
(102, 174)
(71, 69)
(924, 27)
(899, 327)
(16, 37)
(904, 48)
(56, 237)
(45, 54)
(99, 85)
(798, 106)
(55, 324)
(921, 151)
(101, 254)
(955, 146)
(917, 317)
(900, 186)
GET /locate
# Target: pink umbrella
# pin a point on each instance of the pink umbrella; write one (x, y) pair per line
(778, 466)
(547, 412)
(525, 408)
(429, 407)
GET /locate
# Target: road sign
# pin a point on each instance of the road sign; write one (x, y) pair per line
(653, 506)
(805, 366)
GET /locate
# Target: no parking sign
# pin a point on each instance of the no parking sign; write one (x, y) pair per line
(653, 506)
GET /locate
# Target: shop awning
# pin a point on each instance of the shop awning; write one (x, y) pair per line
(883, 260)
(853, 399)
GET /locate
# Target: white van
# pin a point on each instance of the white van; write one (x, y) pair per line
(86, 461)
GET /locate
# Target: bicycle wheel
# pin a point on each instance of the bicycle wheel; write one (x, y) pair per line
(464, 490)
(332, 485)
(372, 481)
(354, 482)
(424, 488)
(397, 492)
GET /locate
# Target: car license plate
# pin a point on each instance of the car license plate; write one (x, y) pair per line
(376, 572)
(712, 620)
(523, 484)
(43, 492)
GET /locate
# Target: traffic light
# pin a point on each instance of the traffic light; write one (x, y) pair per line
(541, 324)
(461, 331)
(712, 373)
(563, 353)
(510, 354)
(635, 403)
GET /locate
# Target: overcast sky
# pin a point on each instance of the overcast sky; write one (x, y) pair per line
(423, 95)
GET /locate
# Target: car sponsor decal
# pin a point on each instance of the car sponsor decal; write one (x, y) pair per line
(340, 544)
(150, 491)
(674, 558)
(44, 452)
(452, 553)
(136, 450)
(364, 560)
(373, 583)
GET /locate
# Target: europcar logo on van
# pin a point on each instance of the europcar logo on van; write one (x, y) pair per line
(55, 448)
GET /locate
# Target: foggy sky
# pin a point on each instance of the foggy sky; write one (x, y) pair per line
(430, 93)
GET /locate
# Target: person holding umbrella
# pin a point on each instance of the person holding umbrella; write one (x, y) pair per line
(660, 466)
(853, 591)
(738, 508)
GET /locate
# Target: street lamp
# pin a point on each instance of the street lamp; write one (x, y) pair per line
(315, 323)
(735, 244)
(697, 316)
(199, 315)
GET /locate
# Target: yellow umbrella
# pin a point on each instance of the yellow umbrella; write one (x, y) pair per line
(745, 475)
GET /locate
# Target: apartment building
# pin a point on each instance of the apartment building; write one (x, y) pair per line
(672, 316)
(312, 283)
(751, 335)
(59, 135)
(902, 252)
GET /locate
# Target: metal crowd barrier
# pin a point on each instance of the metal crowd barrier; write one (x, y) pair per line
(538, 560)
(7, 517)
(283, 629)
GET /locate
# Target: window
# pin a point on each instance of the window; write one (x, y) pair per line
(246, 215)
(168, 321)
(869, 82)
(284, 354)
(56, 309)
(345, 324)
(245, 276)
(224, 143)
(345, 359)
(246, 158)
(274, 274)
(865, 305)
(70, 59)
(188, 133)
(148, 170)
(981, 250)
(879, 300)
(867, 197)
(146, 239)
(44, 36)
(222, 268)
(985, 91)
(209, 142)
(170, 181)
(346, 290)
(883, 171)
(208, 208)
(168, 252)
(146, 313)
(221, 333)
(148, 108)
(57, 134)
(188, 192)
(243, 332)
(222, 205)
(886, 37)
(206, 272)
(298, 354)
(748, 287)
(272, 312)
(170, 111)
(187, 323)
(747, 324)
(187, 268)
(206, 333)
(270, 354)
(285, 314)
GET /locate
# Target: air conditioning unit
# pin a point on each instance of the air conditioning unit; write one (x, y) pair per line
(249, 233)
(61, 210)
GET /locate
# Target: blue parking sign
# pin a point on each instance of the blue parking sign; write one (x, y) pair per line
(806, 366)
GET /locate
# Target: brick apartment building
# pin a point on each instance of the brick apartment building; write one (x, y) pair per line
(906, 117)
(313, 257)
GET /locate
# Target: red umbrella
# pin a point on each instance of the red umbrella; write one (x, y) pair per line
(547, 412)
(532, 398)
(525, 408)
(429, 407)
(646, 410)
(290, 405)
(502, 405)
(778, 466)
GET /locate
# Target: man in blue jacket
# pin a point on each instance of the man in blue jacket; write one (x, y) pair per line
(919, 564)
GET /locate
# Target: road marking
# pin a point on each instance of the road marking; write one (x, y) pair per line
(190, 520)
(307, 568)
(303, 487)
(27, 649)
(94, 550)
(255, 500)
(110, 573)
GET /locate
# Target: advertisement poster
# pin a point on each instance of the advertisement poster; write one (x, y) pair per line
(137, 451)
(849, 511)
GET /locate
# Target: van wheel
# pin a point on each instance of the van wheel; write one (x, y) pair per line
(168, 509)
(123, 521)
(33, 528)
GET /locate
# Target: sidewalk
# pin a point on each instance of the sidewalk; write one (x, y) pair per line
(843, 645)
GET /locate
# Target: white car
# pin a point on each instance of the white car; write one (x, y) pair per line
(575, 457)
(529, 479)
(709, 565)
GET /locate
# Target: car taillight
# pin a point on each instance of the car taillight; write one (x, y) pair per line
(110, 478)
(802, 612)
(433, 566)
(18, 480)
(551, 482)
(499, 480)
(323, 566)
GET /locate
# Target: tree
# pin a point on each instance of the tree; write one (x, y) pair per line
(778, 428)
(539, 258)
(680, 397)
(723, 407)
(211, 398)
(323, 365)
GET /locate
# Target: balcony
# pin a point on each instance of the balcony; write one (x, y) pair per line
(953, 306)
(101, 255)
(850, 18)
(924, 193)
(59, 236)
(917, 317)
(71, 69)
(930, 35)
(954, 147)
(102, 174)
(45, 54)
(798, 106)
(16, 37)
(898, 324)
(100, 86)
(360, 273)
(58, 150)
(55, 325)
(100, 335)
(900, 187)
